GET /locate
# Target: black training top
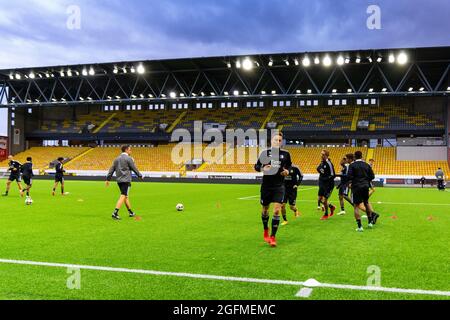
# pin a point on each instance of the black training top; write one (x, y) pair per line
(360, 174)
(279, 160)
(14, 166)
(27, 169)
(344, 175)
(294, 178)
(60, 169)
(326, 171)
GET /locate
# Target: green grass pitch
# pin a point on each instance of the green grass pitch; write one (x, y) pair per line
(217, 234)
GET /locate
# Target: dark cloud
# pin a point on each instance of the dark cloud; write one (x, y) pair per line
(34, 31)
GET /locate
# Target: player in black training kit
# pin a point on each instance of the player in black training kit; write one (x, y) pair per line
(372, 187)
(350, 159)
(59, 176)
(360, 177)
(291, 184)
(326, 183)
(343, 185)
(14, 167)
(27, 175)
(275, 163)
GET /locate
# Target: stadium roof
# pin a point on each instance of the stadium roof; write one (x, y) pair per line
(401, 71)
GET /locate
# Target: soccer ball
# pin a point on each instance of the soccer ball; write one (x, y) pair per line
(29, 201)
(180, 207)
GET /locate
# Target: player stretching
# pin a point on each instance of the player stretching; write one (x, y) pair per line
(27, 175)
(123, 165)
(291, 184)
(326, 183)
(275, 163)
(14, 167)
(59, 176)
(360, 176)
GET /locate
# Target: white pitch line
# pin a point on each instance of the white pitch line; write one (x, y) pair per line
(257, 196)
(224, 278)
(398, 203)
(249, 198)
(414, 203)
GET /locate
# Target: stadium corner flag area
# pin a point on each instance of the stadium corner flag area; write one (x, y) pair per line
(247, 182)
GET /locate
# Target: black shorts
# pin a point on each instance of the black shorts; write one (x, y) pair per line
(272, 195)
(326, 189)
(360, 195)
(14, 177)
(27, 180)
(343, 190)
(290, 196)
(59, 178)
(124, 188)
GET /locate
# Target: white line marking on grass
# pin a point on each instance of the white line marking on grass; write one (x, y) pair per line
(249, 198)
(416, 203)
(316, 284)
(257, 196)
(397, 203)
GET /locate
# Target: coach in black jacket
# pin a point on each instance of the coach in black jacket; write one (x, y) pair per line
(360, 176)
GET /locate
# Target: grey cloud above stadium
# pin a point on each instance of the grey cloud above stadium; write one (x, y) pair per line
(141, 30)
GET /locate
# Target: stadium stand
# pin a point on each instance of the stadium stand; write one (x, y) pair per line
(314, 118)
(238, 159)
(140, 121)
(309, 158)
(306, 158)
(68, 126)
(147, 159)
(391, 117)
(43, 156)
(244, 118)
(386, 163)
(309, 118)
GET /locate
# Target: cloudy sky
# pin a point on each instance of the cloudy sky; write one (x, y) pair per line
(36, 32)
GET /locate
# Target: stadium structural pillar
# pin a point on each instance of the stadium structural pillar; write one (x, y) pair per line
(16, 132)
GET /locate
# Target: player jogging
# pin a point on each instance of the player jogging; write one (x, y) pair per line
(360, 176)
(372, 187)
(27, 175)
(326, 183)
(275, 164)
(291, 184)
(350, 159)
(59, 176)
(123, 166)
(343, 185)
(14, 167)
